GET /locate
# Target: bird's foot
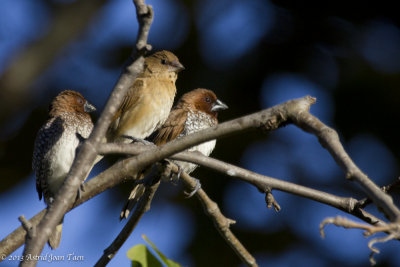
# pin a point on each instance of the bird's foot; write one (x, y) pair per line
(176, 176)
(168, 174)
(194, 191)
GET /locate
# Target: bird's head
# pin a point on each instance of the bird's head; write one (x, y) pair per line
(70, 101)
(163, 62)
(203, 100)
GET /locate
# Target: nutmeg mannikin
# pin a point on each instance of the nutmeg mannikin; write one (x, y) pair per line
(195, 111)
(56, 142)
(149, 100)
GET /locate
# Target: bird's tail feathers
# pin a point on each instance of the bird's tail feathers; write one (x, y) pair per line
(133, 199)
(55, 237)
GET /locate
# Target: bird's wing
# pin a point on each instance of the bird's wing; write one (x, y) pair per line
(131, 98)
(172, 128)
(47, 136)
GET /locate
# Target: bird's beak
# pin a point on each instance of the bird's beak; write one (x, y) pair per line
(175, 66)
(88, 107)
(218, 105)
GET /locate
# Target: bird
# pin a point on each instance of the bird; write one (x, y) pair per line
(148, 101)
(194, 111)
(56, 144)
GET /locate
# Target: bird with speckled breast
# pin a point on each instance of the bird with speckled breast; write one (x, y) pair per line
(55, 146)
(195, 111)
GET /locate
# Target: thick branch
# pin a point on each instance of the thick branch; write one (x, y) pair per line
(270, 118)
(87, 154)
(267, 119)
(120, 172)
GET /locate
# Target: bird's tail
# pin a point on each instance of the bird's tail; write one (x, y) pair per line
(134, 197)
(55, 237)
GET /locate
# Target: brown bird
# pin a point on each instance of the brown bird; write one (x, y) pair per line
(56, 142)
(149, 100)
(195, 111)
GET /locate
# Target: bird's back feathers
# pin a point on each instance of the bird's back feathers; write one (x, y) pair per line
(172, 128)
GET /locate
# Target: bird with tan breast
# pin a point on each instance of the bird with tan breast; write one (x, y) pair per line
(148, 101)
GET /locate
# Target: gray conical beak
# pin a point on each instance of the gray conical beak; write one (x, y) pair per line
(88, 107)
(219, 105)
(175, 66)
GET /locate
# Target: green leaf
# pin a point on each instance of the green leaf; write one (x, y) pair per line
(165, 260)
(141, 256)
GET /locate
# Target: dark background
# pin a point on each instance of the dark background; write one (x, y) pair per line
(253, 54)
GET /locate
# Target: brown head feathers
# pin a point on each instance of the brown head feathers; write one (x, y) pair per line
(70, 101)
(163, 61)
(202, 100)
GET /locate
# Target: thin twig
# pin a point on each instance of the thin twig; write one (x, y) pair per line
(392, 229)
(387, 188)
(142, 207)
(28, 226)
(220, 221)
(271, 202)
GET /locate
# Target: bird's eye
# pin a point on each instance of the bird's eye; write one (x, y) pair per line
(207, 99)
(80, 101)
(163, 61)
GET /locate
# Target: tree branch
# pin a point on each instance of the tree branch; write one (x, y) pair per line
(220, 221)
(142, 207)
(125, 169)
(393, 230)
(268, 119)
(329, 139)
(265, 183)
(87, 154)
(262, 182)
(15, 239)
(387, 188)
